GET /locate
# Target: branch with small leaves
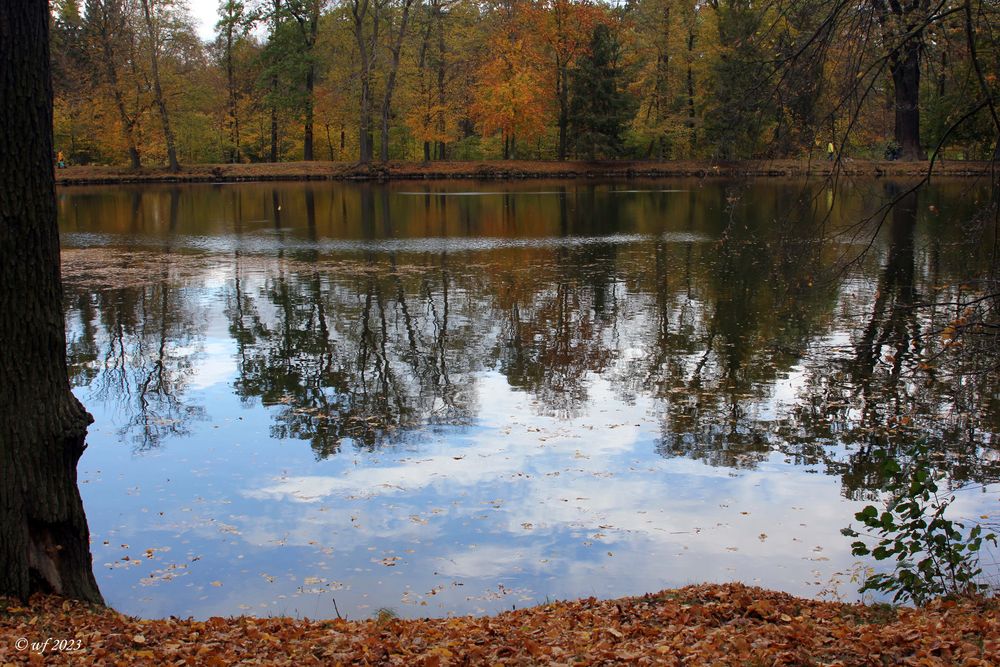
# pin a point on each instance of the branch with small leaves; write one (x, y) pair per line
(933, 555)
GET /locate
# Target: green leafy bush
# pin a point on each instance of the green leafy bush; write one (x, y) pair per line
(934, 555)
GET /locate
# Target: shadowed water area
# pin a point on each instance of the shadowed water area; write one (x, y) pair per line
(458, 398)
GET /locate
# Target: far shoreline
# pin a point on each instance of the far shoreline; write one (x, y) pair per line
(514, 170)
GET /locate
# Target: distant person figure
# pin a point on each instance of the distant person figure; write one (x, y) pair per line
(830, 151)
(60, 160)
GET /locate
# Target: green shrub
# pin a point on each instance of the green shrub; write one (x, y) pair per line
(934, 555)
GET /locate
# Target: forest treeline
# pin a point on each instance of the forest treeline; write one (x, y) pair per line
(378, 80)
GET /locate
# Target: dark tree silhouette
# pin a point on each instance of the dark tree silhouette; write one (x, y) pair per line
(44, 539)
(600, 107)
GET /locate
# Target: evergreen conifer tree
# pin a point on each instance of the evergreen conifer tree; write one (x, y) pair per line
(600, 106)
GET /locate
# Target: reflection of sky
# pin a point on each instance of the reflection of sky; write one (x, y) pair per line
(517, 506)
(513, 510)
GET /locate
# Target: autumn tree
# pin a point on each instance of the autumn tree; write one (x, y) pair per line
(442, 11)
(873, 57)
(952, 72)
(565, 27)
(436, 88)
(741, 107)
(109, 33)
(336, 91)
(420, 119)
(306, 14)
(510, 98)
(271, 13)
(397, 32)
(155, 13)
(458, 79)
(676, 46)
(232, 26)
(367, 19)
(799, 97)
(44, 539)
(903, 25)
(600, 106)
(656, 36)
(69, 65)
(690, 21)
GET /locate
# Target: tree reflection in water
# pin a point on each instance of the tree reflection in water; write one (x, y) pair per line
(137, 345)
(363, 315)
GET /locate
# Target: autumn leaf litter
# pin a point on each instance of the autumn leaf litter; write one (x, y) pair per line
(699, 625)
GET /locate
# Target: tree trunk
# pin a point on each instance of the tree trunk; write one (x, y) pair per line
(690, 92)
(44, 539)
(309, 37)
(562, 90)
(307, 141)
(275, 18)
(161, 104)
(108, 56)
(274, 121)
(365, 121)
(442, 50)
(366, 52)
(904, 64)
(234, 121)
(663, 70)
(385, 113)
(942, 76)
(390, 84)
(424, 89)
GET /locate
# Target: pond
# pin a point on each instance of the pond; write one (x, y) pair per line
(447, 398)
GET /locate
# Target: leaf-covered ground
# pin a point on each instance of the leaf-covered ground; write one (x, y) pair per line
(698, 625)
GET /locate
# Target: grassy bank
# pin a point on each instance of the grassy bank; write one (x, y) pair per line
(303, 171)
(698, 625)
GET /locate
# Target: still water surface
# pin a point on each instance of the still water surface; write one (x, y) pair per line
(458, 398)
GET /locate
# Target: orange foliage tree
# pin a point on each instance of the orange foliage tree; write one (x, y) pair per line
(510, 97)
(565, 27)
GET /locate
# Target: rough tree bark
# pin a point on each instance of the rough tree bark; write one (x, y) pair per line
(44, 539)
(902, 29)
(904, 64)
